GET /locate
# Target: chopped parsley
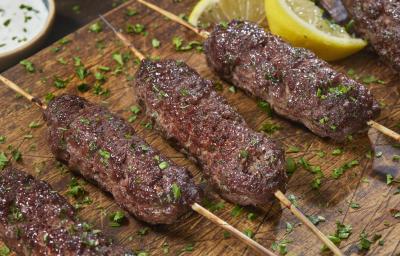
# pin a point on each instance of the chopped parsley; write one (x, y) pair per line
(4, 251)
(389, 179)
(316, 219)
(291, 166)
(118, 58)
(281, 246)
(293, 149)
(60, 83)
(130, 12)
(143, 231)
(372, 80)
(337, 172)
(34, 124)
(29, 66)
(355, 205)
(270, 128)
(180, 46)
(155, 43)
(163, 165)
(337, 151)
(15, 214)
(227, 234)
(137, 28)
(116, 218)
(289, 227)
(83, 87)
(49, 96)
(3, 160)
(81, 72)
(251, 216)
(342, 232)
(16, 155)
(176, 191)
(62, 61)
(236, 211)
(265, 107)
(105, 155)
(184, 92)
(213, 207)
(364, 243)
(395, 213)
(75, 189)
(249, 233)
(339, 90)
(188, 248)
(316, 170)
(96, 27)
(84, 121)
(244, 154)
(2, 139)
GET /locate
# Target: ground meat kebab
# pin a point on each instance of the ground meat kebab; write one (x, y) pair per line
(297, 84)
(35, 220)
(105, 149)
(243, 165)
(378, 21)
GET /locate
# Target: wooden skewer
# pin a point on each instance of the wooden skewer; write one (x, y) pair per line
(196, 207)
(205, 34)
(278, 194)
(224, 225)
(18, 90)
(201, 32)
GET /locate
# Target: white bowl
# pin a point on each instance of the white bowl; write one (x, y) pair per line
(11, 57)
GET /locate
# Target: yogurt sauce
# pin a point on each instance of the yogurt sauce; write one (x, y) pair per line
(20, 21)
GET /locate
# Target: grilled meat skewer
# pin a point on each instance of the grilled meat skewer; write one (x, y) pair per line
(294, 81)
(244, 166)
(35, 220)
(104, 149)
(378, 22)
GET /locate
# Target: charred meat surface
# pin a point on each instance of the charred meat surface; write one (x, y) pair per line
(35, 220)
(378, 21)
(105, 149)
(297, 84)
(243, 165)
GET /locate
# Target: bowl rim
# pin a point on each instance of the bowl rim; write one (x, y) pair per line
(37, 37)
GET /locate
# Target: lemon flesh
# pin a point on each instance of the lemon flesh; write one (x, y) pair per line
(209, 12)
(301, 23)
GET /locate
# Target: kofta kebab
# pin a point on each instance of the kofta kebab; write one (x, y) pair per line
(104, 148)
(294, 81)
(374, 20)
(35, 220)
(244, 166)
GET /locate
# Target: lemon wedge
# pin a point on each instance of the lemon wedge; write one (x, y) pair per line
(209, 12)
(301, 23)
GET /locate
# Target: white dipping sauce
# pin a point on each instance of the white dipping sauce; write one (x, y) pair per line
(20, 21)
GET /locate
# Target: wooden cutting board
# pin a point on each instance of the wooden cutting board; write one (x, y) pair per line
(336, 200)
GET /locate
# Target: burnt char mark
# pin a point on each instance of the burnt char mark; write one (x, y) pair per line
(35, 220)
(294, 81)
(104, 148)
(378, 22)
(246, 167)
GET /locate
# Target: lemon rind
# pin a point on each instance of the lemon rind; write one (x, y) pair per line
(198, 10)
(352, 42)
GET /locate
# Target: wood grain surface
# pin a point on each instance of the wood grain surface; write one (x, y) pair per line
(336, 200)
